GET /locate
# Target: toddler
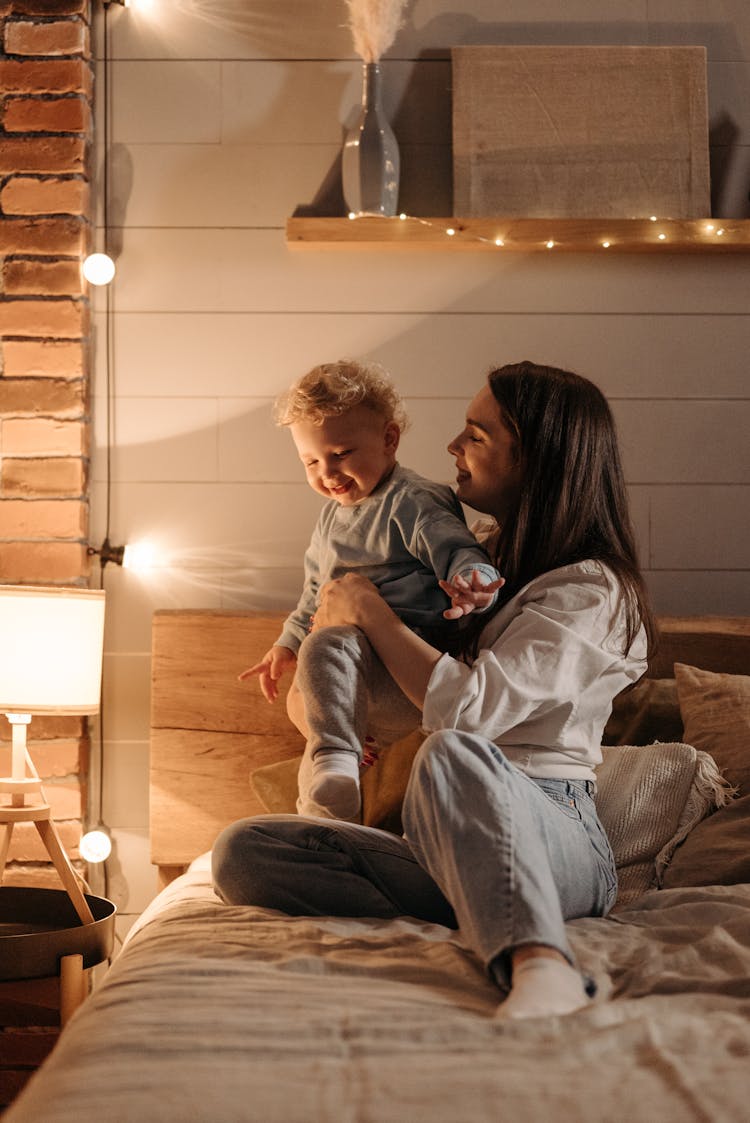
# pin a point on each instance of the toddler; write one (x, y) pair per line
(403, 532)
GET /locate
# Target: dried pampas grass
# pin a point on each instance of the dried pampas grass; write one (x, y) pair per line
(373, 25)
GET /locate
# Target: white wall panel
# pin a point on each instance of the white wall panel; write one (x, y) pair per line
(133, 597)
(125, 794)
(729, 99)
(126, 692)
(681, 593)
(302, 29)
(132, 880)
(723, 26)
(581, 22)
(258, 354)
(312, 102)
(639, 502)
(171, 101)
(158, 439)
(224, 185)
(730, 166)
(251, 447)
(194, 524)
(689, 527)
(232, 29)
(254, 270)
(685, 442)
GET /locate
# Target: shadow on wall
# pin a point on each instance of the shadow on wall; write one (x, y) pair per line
(121, 180)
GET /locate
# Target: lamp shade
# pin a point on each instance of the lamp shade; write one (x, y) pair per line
(51, 643)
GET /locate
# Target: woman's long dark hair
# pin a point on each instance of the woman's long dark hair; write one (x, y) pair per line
(572, 504)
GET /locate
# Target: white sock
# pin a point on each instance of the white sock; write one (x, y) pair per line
(334, 784)
(543, 987)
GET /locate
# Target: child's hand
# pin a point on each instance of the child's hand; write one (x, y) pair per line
(276, 662)
(467, 597)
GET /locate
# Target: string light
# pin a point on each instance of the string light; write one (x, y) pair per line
(684, 233)
(96, 846)
(98, 268)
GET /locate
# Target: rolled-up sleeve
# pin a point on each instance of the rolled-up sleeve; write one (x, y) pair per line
(538, 668)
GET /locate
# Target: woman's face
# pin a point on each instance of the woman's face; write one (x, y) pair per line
(487, 459)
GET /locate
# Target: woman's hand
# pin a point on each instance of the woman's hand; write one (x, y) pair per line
(350, 599)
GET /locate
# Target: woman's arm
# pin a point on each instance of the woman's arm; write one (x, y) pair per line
(408, 659)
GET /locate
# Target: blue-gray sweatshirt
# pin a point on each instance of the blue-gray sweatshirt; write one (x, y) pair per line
(403, 537)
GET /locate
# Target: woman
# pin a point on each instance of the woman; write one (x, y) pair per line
(501, 836)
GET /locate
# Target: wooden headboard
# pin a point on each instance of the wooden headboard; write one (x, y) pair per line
(209, 731)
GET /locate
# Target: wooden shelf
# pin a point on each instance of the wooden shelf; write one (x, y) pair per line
(524, 235)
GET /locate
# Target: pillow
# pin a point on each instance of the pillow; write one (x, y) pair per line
(716, 712)
(649, 798)
(645, 713)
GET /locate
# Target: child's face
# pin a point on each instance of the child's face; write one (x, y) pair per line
(346, 457)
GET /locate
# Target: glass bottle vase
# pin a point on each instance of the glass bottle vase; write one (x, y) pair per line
(370, 161)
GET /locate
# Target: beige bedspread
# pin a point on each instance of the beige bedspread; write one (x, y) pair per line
(217, 1014)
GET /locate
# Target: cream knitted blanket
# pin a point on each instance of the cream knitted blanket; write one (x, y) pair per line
(649, 799)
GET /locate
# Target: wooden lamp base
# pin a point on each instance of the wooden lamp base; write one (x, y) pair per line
(28, 805)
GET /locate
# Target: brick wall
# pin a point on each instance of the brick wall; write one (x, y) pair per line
(46, 83)
(46, 80)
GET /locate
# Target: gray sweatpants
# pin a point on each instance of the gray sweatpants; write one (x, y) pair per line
(349, 694)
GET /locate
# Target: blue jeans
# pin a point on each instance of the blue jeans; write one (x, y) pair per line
(505, 858)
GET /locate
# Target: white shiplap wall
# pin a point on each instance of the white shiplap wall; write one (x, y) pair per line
(228, 116)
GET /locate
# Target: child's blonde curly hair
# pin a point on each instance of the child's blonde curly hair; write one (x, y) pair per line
(331, 389)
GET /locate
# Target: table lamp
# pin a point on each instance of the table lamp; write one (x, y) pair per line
(50, 663)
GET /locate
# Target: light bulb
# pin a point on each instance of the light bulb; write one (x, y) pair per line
(139, 556)
(95, 846)
(98, 268)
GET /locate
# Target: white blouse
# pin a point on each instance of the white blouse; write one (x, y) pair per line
(549, 665)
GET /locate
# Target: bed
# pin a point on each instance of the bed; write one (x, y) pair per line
(218, 1014)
